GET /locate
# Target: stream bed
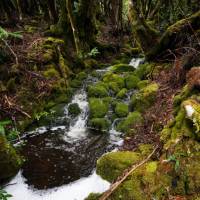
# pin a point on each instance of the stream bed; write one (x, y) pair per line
(61, 156)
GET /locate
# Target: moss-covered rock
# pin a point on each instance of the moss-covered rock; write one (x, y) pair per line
(142, 84)
(119, 68)
(131, 81)
(93, 196)
(101, 124)
(74, 109)
(122, 93)
(132, 119)
(98, 108)
(97, 90)
(10, 161)
(121, 110)
(144, 98)
(111, 165)
(143, 70)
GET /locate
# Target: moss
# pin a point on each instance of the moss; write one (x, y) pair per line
(121, 110)
(111, 165)
(75, 83)
(93, 196)
(90, 64)
(144, 98)
(74, 109)
(143, 84)
(51, 73)
(101, 124)
(122, 93)
(97, 90)
(48, 56)
(81, 76)
(119, 68)
(10, 161)
(132, 119)
(97, 107)
(131, 81)
(143, 70)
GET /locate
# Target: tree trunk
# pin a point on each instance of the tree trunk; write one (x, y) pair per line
(73, 26)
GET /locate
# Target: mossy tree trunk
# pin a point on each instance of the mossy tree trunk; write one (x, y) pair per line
(74, 27)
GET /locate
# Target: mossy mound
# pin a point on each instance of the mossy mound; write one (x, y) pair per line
(143, 70)
(10, 161)
(97, 90)
(143, 84)
(74, 109)
(98, 108)
(144, 98)
(119, 68)
(101, 124)
(121, 110)
(132, 119)
(122, 93)
(93, 196)
(111, 165)
(131, 81)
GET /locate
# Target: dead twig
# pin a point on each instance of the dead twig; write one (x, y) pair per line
(115, 185)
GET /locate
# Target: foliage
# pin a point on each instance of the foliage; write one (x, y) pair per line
(2, 126)
(173, 158)
(4, 195)
(93, 53)
(5, 34)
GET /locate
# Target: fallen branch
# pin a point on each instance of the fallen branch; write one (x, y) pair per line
(115, 185)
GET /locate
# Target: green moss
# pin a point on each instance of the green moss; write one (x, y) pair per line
(122, 93)
(97, 90)
(98, 108)
(74, 109)
(114, 79)
(10, 161)
(93, 196)
(111, 165)
(143, 84)
(48, 56)
(132, 119)
(119, 68)
(81, 76)
(101, 124)
(90, 64)
(75, 83)
(51, 73)
(131, 81)
(121, 110)
(143, 70)
(144, 98)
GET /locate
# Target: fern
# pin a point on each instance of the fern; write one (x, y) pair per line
(2, 126)
(4, 195)
(4, 35)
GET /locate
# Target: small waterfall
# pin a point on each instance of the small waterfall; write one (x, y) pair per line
(78, 127)
(135, 62)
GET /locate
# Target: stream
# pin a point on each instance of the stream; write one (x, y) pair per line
(61, 155)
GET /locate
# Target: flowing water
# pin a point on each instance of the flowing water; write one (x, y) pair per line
(61, 156)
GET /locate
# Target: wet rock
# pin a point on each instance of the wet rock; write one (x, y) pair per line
(74, 109)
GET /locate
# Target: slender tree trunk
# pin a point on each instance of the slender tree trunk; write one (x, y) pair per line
(73, 26)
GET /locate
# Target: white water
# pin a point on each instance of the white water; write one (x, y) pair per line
(81, 188)
(77, 190)
(135, 62)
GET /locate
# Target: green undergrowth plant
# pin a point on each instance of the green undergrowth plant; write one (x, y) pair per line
(4, 195)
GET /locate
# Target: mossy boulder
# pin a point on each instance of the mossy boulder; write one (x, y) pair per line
(97, 90)
(111, 165)
(101, 124)
(81, 76)
(132, 119)
(93, 196)
(98, 108)
(131, 81)
(143, 84)
(143, 70)
(121, 110)
(122, 93)
(119, 68)
(9, 159)
(145, 97)
(74, 109)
